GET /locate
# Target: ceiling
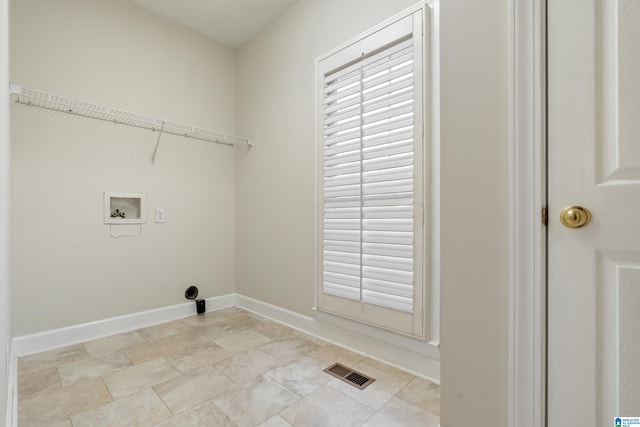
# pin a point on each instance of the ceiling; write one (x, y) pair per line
(230, 22)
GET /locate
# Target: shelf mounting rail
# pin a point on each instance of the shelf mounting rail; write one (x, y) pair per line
(63, 104)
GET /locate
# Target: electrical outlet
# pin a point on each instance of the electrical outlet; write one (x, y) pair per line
(159, 215)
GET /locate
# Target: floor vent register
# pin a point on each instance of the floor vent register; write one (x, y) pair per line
(349, 376)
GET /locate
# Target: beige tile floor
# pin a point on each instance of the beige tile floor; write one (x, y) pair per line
(224, 368)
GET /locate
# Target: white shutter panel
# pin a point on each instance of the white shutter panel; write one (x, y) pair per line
(368, 172)
(342, 168)
(387, 258)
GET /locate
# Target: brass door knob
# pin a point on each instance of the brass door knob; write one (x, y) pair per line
(575, 216)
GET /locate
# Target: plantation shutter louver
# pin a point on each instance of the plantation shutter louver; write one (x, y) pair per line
(368, 172)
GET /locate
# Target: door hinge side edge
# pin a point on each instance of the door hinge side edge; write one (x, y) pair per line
(544, 215)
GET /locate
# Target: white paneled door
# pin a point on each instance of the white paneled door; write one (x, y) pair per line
(594, 162)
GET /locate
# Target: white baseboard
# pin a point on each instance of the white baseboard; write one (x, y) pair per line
(401, 352)
(409, 358)
(56, 338)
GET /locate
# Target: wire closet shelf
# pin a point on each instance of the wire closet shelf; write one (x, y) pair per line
(63, 104)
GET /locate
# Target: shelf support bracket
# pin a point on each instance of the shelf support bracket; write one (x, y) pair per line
(155, 150)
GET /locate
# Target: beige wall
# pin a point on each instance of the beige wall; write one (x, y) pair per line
(276, 180)
(475, 212)
(66, 269)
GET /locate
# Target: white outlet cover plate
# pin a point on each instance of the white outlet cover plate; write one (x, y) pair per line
(159, 215)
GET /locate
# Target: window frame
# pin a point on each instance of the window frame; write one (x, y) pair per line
(414, 324)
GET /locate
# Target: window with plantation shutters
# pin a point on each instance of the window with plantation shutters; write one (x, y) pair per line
(371, 179)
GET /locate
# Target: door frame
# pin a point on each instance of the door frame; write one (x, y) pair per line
(527, 308)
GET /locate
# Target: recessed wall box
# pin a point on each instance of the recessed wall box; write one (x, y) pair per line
(124, 208)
